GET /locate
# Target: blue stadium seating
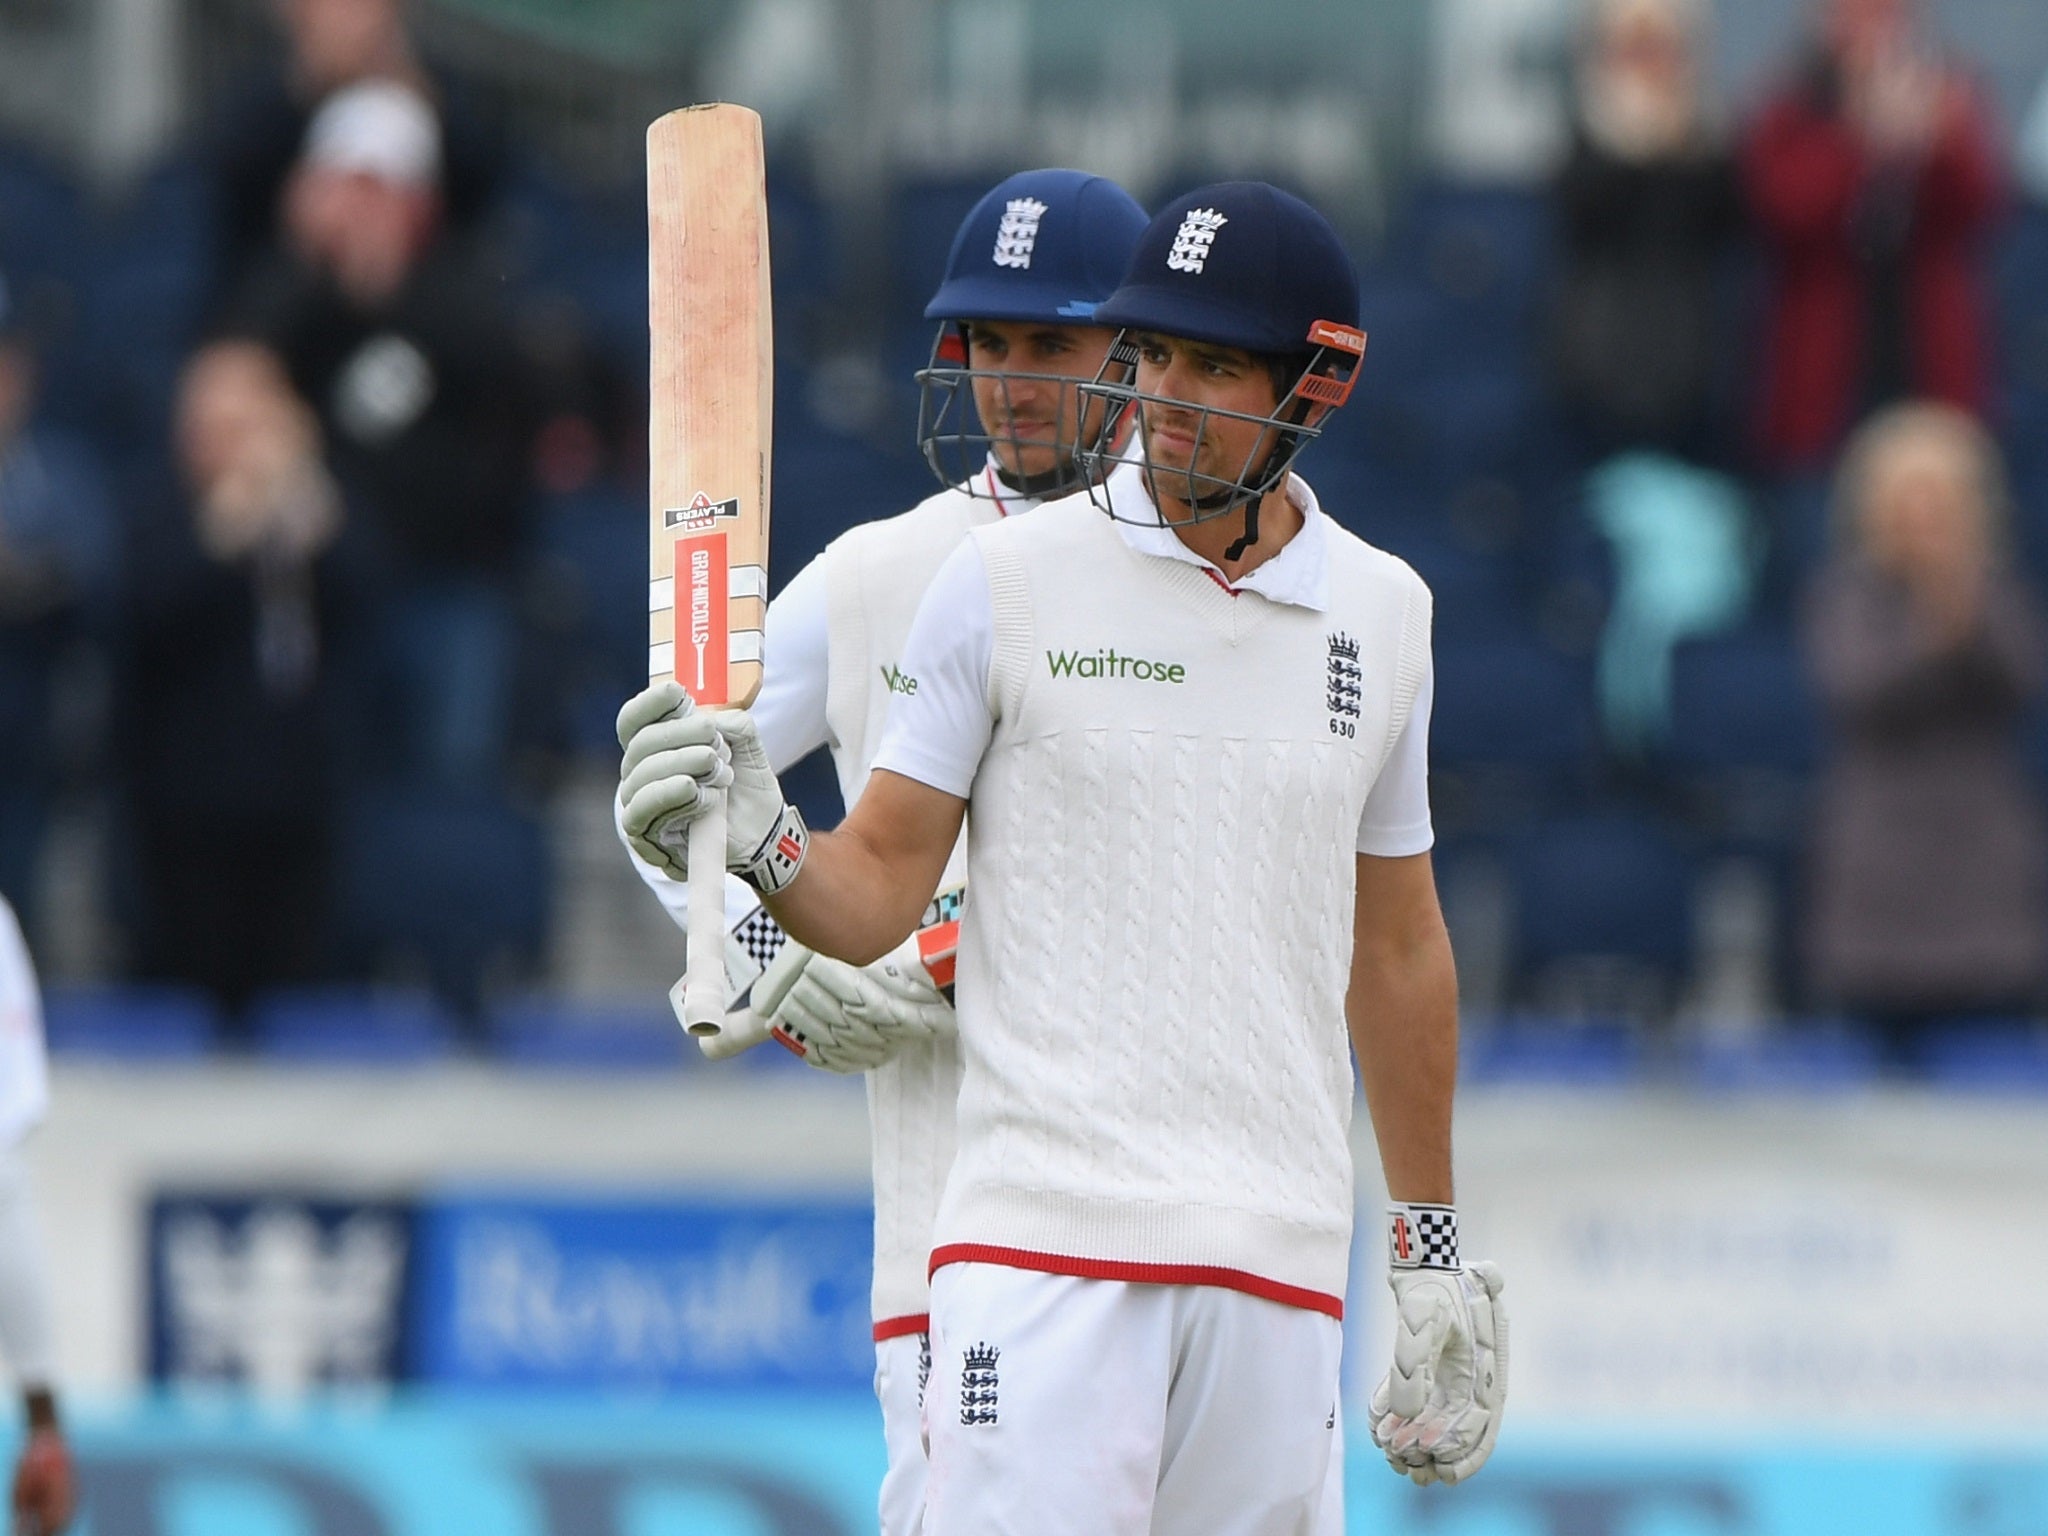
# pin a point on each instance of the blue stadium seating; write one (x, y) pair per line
(450, 886)
(592, 546)
(538, 1030)
(1529, 1049)
(2008, 1056)
(1513, 703)
(1742, 701)
(1804, 1056)
(1489, 249)
(1608, 885)
(1478, 596)
(132, 1023)
(345, 1026)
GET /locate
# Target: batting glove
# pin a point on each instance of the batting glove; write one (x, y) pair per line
(678, 761)
(848, 1018)
(1437, 1413)
(45, 1488)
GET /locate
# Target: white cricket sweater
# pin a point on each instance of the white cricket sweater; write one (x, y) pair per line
(1152, 971)
(875, 576)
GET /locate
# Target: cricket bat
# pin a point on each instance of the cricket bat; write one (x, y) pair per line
(710, 392)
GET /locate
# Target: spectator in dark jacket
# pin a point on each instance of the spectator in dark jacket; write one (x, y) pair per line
(257, 136)
(1930, 859)
(1873, 178)
(399, 341)
(1648, 209)
(233, 684)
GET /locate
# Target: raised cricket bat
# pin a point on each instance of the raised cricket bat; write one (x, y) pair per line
(710, 388)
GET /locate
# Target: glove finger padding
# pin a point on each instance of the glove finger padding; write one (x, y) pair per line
(657, 701)
(667, 745)
(774, 983)
(838, 1039)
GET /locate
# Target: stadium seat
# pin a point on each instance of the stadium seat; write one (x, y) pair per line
(1532, 1049)
(1511, 703)
(347, 1026)
(1477, 595)
(1489, 249)
(2006, 1056)
(1741, 701)
(618, 1035)
(449, 887)
(1602, 913)
(592, 553)
(1744, 742)
(130, 1023)
(1804, 1057)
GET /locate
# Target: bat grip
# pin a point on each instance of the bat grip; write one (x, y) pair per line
(704, 980)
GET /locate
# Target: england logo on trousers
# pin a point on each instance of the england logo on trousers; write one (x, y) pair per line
(978, 1384)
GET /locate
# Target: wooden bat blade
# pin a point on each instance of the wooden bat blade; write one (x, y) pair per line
(710, 395)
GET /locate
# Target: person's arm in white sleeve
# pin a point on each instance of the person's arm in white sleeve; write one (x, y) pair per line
(1395, 822)
(940, 724)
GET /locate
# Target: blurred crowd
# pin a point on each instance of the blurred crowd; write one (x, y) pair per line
(1700, 447)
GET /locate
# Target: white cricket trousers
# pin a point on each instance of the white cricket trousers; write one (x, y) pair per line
(901, 1365)
(1059, 1406)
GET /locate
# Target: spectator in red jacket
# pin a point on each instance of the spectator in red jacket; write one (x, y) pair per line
(1872, 177)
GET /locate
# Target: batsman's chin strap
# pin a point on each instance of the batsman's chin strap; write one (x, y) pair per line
(1041, 487)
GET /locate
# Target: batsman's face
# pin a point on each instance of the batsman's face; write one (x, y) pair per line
(1025, 378)
(1178, 381)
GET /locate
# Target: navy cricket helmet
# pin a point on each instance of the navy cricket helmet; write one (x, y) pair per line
(1245, 265)
(1043, 247)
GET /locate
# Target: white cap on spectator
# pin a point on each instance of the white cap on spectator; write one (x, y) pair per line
(377, 128)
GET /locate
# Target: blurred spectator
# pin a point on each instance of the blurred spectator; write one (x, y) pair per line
(1873, 178)
(2032, 153)
(57, 559)
(1684, 556)
(1648, 207)
(1930, 860)
(398, 339)
(44, 1486)
(328, 45)
(234, 678)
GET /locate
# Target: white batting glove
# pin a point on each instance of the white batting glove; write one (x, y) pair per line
(679, 760)
(848, 1018)
(1437, 1413)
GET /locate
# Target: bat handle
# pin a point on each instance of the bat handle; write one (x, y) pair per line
(704, 980)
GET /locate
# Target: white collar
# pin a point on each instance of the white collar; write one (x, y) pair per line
(1297, 574)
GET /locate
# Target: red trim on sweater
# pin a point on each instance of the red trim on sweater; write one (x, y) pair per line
(896, 1327)
(1140, 1274)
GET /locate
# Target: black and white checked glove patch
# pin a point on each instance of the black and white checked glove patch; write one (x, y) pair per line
(1422, 1236)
